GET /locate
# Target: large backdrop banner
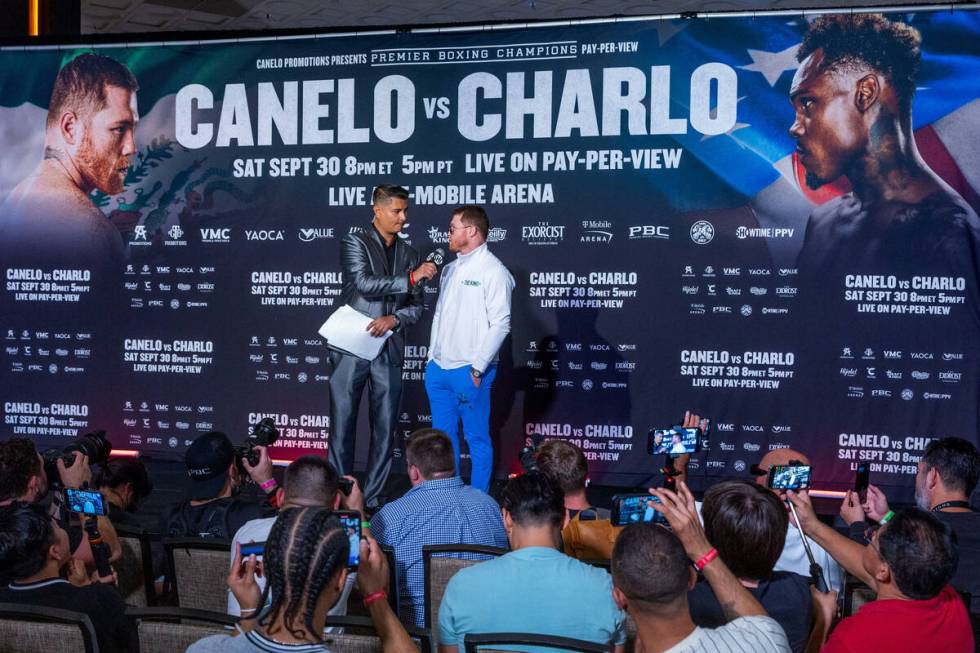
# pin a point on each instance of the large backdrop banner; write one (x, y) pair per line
(694, 220)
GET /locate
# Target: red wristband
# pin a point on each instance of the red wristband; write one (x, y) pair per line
(704, 561)
(269, 485)
(377, 596)
(411, 278)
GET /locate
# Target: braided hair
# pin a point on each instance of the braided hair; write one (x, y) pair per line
(305, 549)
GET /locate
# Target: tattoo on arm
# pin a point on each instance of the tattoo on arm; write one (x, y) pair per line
(728, 609)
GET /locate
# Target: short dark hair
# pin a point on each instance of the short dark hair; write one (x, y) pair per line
(25, 535)
(891, 48)
(312, 478)
(564, 462)
(747, 524)
(534, 499)
(920, 551)
(383, 193)
(119, 471)
(18, 464)
(957, 462)
(431, 451)
(649, 566)
(474, 215)
(305, 549)
(81, 84)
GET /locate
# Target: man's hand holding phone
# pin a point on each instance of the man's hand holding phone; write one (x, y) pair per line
(241, 581)
(877, 506)
(682, 515)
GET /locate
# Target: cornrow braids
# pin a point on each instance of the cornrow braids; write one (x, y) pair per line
(305, 549)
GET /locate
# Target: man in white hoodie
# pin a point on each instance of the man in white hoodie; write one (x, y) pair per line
(471, 320)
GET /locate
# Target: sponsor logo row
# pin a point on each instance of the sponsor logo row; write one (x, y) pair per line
(872, 354)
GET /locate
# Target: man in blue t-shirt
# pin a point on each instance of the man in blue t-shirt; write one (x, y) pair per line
(535, 588)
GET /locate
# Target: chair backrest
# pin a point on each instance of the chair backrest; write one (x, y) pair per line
(440, 563)
(172, 630)
(200, 567)
(393, 588)
(135, 568)
(359, 636)
(35, 629)
(485, 642)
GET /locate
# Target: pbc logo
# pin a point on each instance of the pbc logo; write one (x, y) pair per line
(660, 232)
(215, 235)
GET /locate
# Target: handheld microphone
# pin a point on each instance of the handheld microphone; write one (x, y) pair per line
(437, 257)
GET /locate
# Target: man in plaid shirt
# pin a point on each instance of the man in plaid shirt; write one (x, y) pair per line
(438, 509)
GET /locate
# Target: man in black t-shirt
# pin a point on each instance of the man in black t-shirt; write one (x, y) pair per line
(34, 552)
(213, 507)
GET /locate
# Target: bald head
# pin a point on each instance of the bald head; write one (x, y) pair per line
(779, 457)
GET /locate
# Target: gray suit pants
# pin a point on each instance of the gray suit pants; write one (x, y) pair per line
(347, 380)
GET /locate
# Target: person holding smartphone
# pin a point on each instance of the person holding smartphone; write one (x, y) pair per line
(305, 562)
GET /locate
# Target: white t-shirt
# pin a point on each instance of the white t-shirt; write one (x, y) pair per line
(743, 635)
(257, 530)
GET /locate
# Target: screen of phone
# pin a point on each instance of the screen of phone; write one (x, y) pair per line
(632, 508)
(789, 477)
(85, 501)
(674, 441)
(252, 548)
(351, 523)
(861, 481)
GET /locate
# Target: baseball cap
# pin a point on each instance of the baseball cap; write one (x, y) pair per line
(207, 461)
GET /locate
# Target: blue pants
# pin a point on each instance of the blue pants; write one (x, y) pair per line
(453, 397)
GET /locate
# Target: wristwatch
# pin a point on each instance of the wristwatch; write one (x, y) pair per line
(477, 374)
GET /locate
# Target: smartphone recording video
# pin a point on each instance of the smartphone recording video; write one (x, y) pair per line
(861, 481)
(350, 521)
(252, 549)
(789, 477)
(674, 441)
(85, 501)
(632, 508)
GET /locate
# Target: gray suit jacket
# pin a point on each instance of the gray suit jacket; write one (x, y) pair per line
(373, 289)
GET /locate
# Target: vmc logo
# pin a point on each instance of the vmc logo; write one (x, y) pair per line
(215, 235)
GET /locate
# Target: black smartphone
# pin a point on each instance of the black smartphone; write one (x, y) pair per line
(632, 508)
(789, 477)
(350, 521)
(861, 481)
(252, 548)
(674, 441)
(86, 502)
(345, 485)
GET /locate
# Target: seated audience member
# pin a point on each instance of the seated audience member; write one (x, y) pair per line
(305, 562)
(213, 508)
(310, 482)
(747, 525)
(566, 465)
(947, 475)
(23, 478)
(794, 558)
(652, 577)
(535, 588)
(125, 485)
(909, 562)
(438, 509)
(34, 553)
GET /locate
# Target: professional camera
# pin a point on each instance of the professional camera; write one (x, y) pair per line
(528, 454)
(95, 445)
(264, 434)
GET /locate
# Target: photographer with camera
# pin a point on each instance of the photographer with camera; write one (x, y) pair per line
(310, 482)
(125, 485)
(217, 471)
(37, 568)
(26, 476)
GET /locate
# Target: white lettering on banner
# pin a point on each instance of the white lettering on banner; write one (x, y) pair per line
(292, 113)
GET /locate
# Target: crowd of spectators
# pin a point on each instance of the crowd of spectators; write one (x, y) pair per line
(731, 572)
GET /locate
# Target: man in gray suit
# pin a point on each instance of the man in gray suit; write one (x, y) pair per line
(383, 280)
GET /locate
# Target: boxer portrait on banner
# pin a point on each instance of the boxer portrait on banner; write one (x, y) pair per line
(471, 320)
(88, 144)
(382, 278)
(852, 95)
